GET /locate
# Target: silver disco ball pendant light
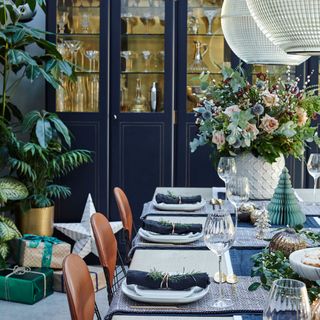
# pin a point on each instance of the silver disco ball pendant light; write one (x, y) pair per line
(293, 25)
(247, 41)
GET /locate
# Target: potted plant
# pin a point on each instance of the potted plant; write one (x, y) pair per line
(40, 160)
(258, 124)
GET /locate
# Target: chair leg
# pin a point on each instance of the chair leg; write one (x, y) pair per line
(122, 264)
(96, 311)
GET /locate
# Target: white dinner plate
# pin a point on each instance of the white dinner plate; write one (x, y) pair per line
(179, 207)
(170, 238)
(163, 296)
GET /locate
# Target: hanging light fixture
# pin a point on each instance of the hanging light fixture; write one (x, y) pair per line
(247, 41)
(293, 25)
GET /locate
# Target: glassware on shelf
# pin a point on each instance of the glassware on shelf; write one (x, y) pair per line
(148, 20)
(92, 56)
(210, 15)
(128, 56)
(146, 54)
(288, 299)
(219, 234)
(62, 22)
(226, 168)
(154, 97)
(135, 3)
(123, 93)
(130, 20)
(94, 93)
(200, 50)
(79, 96)
(85, 23)
(139, 100)
(193, 25)
(61, 96)
(74, 46)
(313, 167)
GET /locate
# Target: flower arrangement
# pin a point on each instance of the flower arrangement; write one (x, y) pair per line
(267, 119)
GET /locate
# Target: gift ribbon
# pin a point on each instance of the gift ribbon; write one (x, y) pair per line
(47, 250)
(21, 271)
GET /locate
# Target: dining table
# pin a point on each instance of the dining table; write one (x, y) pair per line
(196, 257)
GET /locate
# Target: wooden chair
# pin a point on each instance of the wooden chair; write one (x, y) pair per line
(79, 288)
(126, 217)
(108, 252)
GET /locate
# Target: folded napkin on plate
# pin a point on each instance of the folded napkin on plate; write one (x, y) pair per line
(168, 199)
(164, 227)
(161, 280)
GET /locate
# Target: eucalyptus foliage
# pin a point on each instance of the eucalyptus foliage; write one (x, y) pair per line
(8, 232)
(43, 158)
(271, 266)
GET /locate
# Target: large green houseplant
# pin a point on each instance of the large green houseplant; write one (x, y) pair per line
(38, 162)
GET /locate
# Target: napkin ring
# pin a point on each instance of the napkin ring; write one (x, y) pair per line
(165, 281)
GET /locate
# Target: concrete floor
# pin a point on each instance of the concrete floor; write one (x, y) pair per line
(54, 307)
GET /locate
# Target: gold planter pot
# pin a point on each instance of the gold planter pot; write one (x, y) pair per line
(38, 221)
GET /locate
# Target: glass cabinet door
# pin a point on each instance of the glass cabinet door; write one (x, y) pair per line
(142, 55)
(206, 47)
(78, 32)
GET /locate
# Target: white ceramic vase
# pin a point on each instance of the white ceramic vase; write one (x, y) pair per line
(263, 177)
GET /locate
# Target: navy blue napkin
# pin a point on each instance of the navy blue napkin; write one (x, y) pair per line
(168, 199)
(167, 228)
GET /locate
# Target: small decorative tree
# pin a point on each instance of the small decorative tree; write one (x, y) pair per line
(262, 224)
(284, 208)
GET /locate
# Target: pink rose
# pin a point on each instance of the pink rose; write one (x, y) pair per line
(230, 110)
(218, 138)
(302, 117)
(269, 99)
(269, 124)
(251, 128)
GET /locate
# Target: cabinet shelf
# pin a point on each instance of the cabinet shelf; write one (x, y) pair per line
(70, 35)
(129, 35)
(142, 72)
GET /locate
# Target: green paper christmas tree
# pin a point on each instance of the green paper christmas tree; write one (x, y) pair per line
(284, 208)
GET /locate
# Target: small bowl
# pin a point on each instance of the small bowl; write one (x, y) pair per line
(304, 270)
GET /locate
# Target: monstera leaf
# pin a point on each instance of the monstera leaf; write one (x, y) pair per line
(12, 189)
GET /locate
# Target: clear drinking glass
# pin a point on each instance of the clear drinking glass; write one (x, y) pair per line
(313, 167)
(288, 300)
(219, 234)
(237, 192)
(226, 168)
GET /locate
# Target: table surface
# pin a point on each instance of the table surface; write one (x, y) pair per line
(176, 260)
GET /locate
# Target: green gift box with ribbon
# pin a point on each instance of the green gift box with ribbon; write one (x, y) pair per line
(25, 285)
(41, 252)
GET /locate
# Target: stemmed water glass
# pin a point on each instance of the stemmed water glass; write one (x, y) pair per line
(62, 21)
(91, 55)
(219, 234)
(226, 168)
(131, 21)
(74, 46)
(146, 54)
(238, 192)
(288, 299)
(128, 56)
(148, 20)
(313, 167)
(210, 14)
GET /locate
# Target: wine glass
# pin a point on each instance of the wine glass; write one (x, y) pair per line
(226, 168)
(288, 299)
(128, 56)
(219, 234)
(313, 167)
(210, 14)
(146, 54)
(74, 46)
(237, 192)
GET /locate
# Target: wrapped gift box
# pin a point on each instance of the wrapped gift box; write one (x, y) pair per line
(25, 285)
(39, 252)
(96, 273)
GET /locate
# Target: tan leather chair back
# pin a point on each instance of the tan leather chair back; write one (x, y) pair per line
(79, 288)
(106, 245)
(124, 211)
